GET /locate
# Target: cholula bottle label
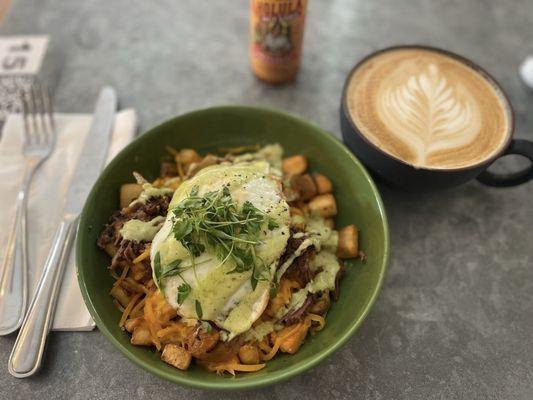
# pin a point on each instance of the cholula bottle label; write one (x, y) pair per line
(277, 28)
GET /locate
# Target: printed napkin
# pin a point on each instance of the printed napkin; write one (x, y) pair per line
(46, 199)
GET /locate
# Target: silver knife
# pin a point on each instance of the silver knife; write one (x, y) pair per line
(26, 357)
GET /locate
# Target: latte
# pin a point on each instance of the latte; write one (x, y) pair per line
(427, 108)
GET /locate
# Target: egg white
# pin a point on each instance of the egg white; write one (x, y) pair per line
(227, 299)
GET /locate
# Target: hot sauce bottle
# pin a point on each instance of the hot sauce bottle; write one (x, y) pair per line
(277, 30)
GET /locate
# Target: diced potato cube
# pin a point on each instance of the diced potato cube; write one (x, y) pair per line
(348, 246)
(128, 193)
(139, 271)
(330, 223)
(200, 342)
(323, 184)
(323, 205)
(304, 185)
(290, 194)
(294, 165)
(188, 156)
(132, 323)
(110, 249)
(207, 161)
(176, 356)
(120, 295)
(249, 354)
(296, 211)
(141, 336)
(298, 222)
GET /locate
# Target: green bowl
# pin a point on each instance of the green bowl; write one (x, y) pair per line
(206, 130)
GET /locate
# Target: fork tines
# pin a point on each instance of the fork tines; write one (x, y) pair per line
(38, 115)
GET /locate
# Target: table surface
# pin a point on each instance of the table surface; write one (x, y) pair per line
(455, 317)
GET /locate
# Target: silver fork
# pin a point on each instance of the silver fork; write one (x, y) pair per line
(39, 141)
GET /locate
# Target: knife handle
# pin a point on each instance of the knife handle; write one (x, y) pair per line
(26, 356)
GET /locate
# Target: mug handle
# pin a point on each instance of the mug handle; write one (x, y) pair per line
(517, 146)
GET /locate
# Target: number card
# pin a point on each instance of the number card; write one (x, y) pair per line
(22, 55)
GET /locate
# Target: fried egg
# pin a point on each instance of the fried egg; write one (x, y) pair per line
(226, 299)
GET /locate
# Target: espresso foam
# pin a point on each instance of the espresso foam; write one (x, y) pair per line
(428, 109)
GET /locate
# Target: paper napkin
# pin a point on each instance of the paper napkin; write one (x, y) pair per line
(47, 197)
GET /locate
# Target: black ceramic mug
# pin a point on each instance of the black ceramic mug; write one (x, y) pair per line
(406, 175)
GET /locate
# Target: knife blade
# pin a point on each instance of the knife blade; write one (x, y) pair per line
(94, 152)
(26, 356)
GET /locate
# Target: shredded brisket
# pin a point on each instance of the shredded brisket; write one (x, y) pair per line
(128, 250)
(295, 316)
(292, 245)
(299, 269)
(154, 207)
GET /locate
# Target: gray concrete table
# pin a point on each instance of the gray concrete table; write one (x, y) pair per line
(455, 317)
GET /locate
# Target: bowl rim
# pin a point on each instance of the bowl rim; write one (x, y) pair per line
(267, 379)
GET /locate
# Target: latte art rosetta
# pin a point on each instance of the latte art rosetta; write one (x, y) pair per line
(425, 113)
(427, 108)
